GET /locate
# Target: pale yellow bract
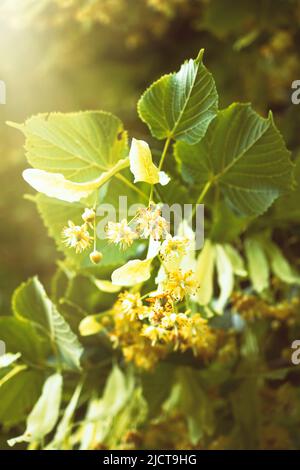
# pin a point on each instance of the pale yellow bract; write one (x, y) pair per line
(142, 166)
(57, 186)
(133, 272)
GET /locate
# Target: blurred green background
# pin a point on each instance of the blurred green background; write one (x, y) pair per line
(70, 55)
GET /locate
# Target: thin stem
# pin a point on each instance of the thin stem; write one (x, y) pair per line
(95, 226)
(130, 185)
(201, 197)
(150, 195)
(204, 191)
(160, 165)
(164, 153)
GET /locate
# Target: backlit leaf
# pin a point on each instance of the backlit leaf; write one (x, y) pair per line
(80, 146)
(244, 154)
(181, 105)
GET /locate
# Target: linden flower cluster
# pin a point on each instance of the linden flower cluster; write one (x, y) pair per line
(78, 236)
(178, 331)
(147, 222)
(252, 308)
(178, 284)
(147, 333)
(124, 328)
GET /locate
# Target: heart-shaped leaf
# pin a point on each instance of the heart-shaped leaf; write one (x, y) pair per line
(80, 146)
(243, 153)
(181, 105)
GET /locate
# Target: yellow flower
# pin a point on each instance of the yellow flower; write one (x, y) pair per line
(154, 333)
(174, 247)
(199, 337)
(150, 223)
(88, 216)
(180, 284)
(120, 233)
(76, 236)
(174, 320)
(161, 304)
(130, 304)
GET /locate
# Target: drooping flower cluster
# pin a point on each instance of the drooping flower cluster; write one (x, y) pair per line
(252, 308)
(147, 333)
(79, 237)
(178, 331)
(148, 222)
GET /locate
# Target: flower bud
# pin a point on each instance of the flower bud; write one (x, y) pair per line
(96, 257)
(88, 215)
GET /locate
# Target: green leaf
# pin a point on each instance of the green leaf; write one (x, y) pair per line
(258, 265)
(30, 301)
(80, 146)
(247, 414)
(20, 336)
(157, 385)
(244, 154)
(188, 397)
(130, 417)
(84, 293)
(102, 412)
(181, 105)
(227, 225)
(237, 261)
(280, 265)
(44, 415)
(19, 390)
(64, 426)
(287, 209)
(115, 391)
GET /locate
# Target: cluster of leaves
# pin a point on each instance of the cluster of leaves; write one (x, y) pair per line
(246, 396)
(253, 59)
